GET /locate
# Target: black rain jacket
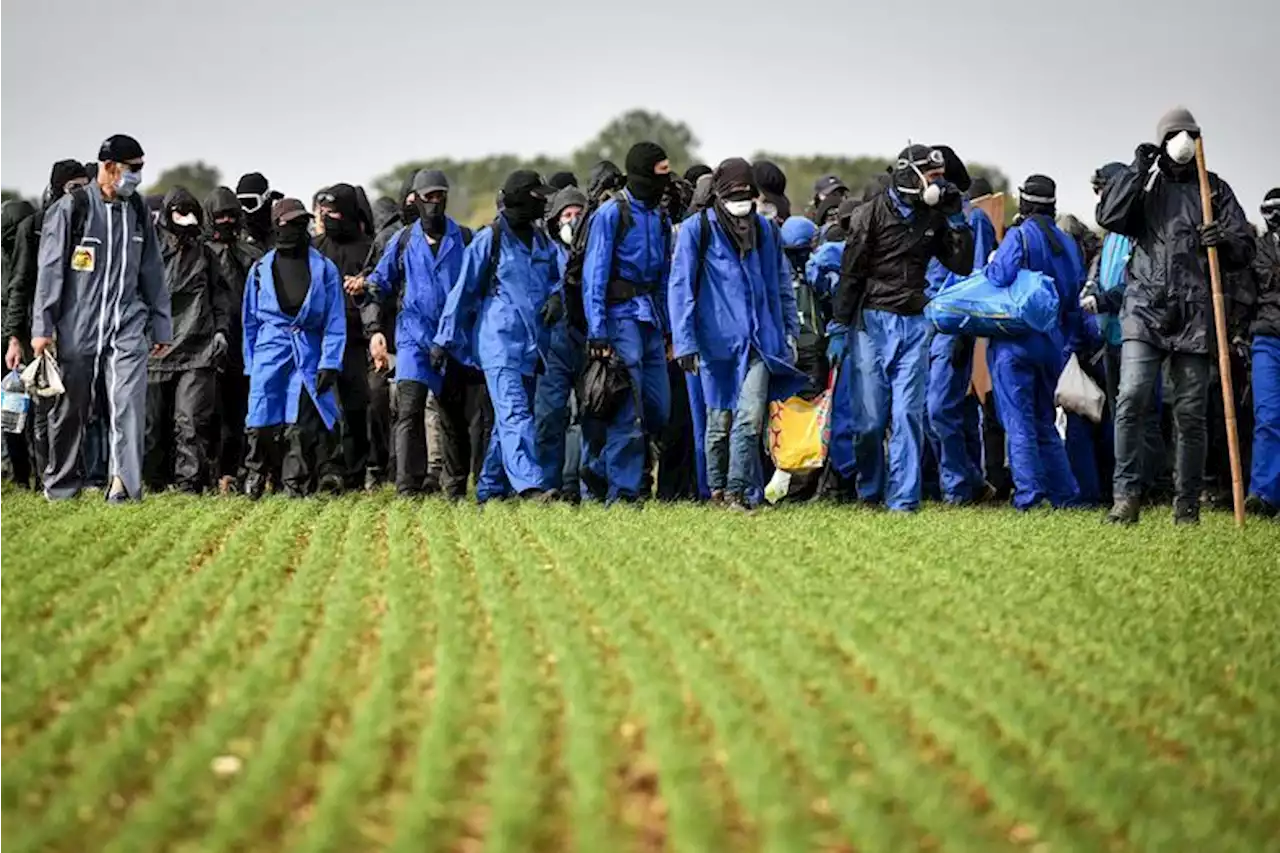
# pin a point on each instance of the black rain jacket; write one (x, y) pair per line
(200, 297)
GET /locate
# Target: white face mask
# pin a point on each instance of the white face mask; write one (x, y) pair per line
(566, 232)
(739, 208)
(1181, 148)
(186, 219)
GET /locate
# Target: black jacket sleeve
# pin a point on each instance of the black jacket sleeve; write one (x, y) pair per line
(954, 247)
(1120, 208)
(1236, 252)
(854, 263)
(21, 285)
(222, 294)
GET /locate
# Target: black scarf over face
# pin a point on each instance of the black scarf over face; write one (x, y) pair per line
(432, 215)
(728, 179)
(346, 228)
(292, 239)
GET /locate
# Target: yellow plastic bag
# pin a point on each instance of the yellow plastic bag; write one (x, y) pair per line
(799, 432)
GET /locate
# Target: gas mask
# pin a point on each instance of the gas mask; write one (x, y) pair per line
(568, 229)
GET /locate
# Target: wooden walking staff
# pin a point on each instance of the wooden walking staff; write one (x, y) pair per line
(1224, 351)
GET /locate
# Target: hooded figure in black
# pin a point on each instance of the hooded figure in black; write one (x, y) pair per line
(182, 384)
(235, 255)
(256, 197)
(1167, 313)
(345, 241)
(13, 214)
(772, 183)
(21, 269)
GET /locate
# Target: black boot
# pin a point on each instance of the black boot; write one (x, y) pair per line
(1186, 512)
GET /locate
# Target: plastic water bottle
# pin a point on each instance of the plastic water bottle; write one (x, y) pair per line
(15, 403)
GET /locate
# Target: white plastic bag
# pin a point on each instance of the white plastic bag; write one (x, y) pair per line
(1079, 394)
(42, 376)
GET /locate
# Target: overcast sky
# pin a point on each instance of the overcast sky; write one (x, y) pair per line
(311, 93)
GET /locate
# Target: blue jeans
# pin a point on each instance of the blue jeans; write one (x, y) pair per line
(954, 432)
(1264, 480)
(644, 413)
(563, 363)
(1140, 364)
(1024, 375)
(893, 372)
(733, 436)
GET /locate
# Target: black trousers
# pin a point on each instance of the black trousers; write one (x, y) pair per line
(180, 408)
(380, 467)
(310, 452)
(353, 392)
(233, 402)
(677, 464)
(466, 421)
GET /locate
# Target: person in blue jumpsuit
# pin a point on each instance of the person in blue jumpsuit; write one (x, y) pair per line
(822, 272)
(954, 431)
(881, 300)
(295, 334)
(498, 317)
(565, 354)
(734, 323)
(1264, 329)
(624, 282)
(1025, 369)
(422, 263)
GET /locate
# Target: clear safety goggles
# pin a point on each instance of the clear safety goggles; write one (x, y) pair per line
(935, 160)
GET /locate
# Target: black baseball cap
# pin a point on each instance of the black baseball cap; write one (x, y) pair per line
(288, 209)
(119, 149)
(526, 181)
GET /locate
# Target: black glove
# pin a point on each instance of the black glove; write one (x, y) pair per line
(553, 310)
(325, 379)
(598, 346)
(1146, 154)
(951, 201)
(1211, 235)
(437, 358)
(688, 363)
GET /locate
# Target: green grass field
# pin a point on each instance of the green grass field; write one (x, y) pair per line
(369, 674)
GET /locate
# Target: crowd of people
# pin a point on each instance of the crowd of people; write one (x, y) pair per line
(620, 339)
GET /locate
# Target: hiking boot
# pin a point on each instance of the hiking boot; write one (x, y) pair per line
(331, 484)
(1255, 505)
(717, 498)
(1186, 512)
(254, 486)
(539, 496)
(735, 503)
(1124, 511)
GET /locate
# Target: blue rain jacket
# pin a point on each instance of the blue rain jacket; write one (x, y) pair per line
(643, 257)
(495, 321)
(283, 354)
(428, 278)
(743, 305)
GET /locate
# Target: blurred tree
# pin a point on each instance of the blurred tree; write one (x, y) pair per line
(9, 195)
(199, 178)
(616, 137)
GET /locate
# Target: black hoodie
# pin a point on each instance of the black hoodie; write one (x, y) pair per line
(200, 297)
(234, 262)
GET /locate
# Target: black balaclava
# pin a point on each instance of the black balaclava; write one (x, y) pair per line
(408, 210)
(643, 183)
(906, 179)
(829, 207)
(953, 168)
(677, 197)
(219, 204)
(728, 181)
(344, 228)
(524, 203)
(1271, 210)
(62, 173)
(560, 180)
(772, 182)
(604, 178)
(697, 170)
(292, 266)
(432, 213)
(178, 202)
(703, 194)
(258, 222)
(11, 214)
